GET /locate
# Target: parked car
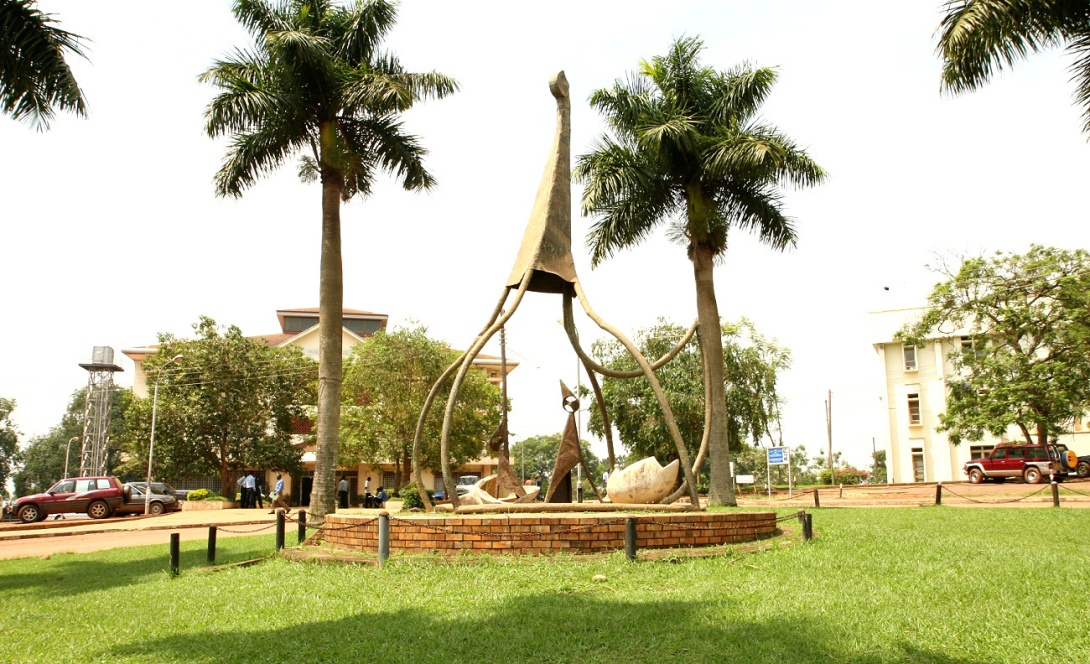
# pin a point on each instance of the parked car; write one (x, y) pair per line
(136, 500)
(1081, 466)
(1033, 463)
(99, 497)
(163, 488)
(465, 482)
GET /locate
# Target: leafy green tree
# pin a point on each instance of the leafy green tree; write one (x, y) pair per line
(1028, 316)
(386, 379)
(227, 406)
(316, 82)
(9, 443)
(689, 149)
(878, 467)
(538, 455)
(35, 78)
(751, 366)
(42, 461)
(980, 37)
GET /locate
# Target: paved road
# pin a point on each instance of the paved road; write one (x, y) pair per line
(74, 535)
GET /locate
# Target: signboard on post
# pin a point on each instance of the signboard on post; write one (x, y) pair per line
(777, 456)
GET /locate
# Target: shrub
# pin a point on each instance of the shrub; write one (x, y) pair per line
(846, 475)
(410, 497)
(204, 494)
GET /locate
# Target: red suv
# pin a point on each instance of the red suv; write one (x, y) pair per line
(97, 496)
(1032, 463)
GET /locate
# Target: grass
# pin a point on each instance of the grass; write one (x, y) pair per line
(875, 585)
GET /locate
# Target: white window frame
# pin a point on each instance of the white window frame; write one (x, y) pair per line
(914, 399)
(914, 363)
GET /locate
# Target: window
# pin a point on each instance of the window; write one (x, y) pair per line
(362, 327)
(389, 480)
(980, 451)
(914, 408)
(1016, 453)
(966, 345)
(917, 465)
(299, 323)
(1037, 453)
(910, 358)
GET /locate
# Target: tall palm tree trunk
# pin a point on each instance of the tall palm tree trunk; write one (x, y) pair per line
(330, 315)
(720, 490)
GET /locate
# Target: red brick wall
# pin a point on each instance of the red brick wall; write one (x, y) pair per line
(548, 534)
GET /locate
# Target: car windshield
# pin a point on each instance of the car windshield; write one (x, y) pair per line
(162, 487)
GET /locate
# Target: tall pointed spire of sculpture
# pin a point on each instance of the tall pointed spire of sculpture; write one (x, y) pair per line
(546, 245)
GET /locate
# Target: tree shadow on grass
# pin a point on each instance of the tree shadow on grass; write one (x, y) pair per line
(551, 627)
(71, 574)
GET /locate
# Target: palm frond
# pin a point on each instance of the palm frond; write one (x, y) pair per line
(260, 17)
(979, 37)
(1080, 75)
(742, 93)
(626, 194)
(362, 28)
(757, 207)
(394, 151)
(762, 154)
(35, 78)
(251, 155)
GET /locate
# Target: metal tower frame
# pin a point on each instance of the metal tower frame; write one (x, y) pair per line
(96, 413)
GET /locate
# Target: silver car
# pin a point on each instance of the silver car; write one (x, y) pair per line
(136, 500)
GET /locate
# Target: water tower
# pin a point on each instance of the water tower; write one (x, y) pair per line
(96, 414)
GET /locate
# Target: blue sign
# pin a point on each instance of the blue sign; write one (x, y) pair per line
(777, 456)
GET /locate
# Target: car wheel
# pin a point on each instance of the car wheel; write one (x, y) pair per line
(98, 510)
(1032, 475)
(30, 514)
(156, 508)
(976, 476)
(1083, 469)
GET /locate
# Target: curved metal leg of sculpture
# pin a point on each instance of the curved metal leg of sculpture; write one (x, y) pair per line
(431, 399)
(703, 452)
(607, 426)
(467, 360)
(664, 404)
(569, 327)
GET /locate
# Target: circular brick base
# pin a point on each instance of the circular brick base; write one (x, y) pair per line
(543, 534)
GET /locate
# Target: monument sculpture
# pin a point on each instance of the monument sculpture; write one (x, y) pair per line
(545, 265)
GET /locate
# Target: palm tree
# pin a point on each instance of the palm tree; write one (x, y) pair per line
(978, 37)
(687, 148)
(35, 79)
(315, 82)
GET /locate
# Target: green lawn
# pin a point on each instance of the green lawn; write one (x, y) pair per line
(875, 585)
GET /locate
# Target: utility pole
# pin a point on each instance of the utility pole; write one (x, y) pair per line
(829, 430)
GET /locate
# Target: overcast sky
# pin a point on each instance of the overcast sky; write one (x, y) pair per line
(112, 232)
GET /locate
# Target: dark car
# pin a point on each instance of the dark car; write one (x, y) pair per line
(97, 496)
(136, 500)
(163, 488)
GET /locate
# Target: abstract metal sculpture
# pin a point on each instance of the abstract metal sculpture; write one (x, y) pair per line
(545, 265)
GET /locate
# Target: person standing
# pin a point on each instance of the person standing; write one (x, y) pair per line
(259, 491)
(249, 487)
(278, 496)
(342, 492)
(368, 499)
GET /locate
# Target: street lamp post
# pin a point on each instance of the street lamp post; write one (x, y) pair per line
(68, 449)
(151, 445)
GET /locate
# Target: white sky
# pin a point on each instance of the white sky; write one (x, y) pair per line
(111, 232)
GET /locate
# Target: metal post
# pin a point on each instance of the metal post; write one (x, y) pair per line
(841, 491)
(279, 529)
(211, 544)
(817, 499)
(67, 450)
(630, 538)
(808, 527)
(175, 554)
(938, 493)
(302, 527)
(151, 443)
(383, 537)
(1055, 494)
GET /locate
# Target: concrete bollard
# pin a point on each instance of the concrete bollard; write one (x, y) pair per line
(302, 527)
(1055, 494)
(383, 537)
(817, 499)
(938, 493)
(279, 529)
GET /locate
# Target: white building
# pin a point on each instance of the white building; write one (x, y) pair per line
(915, 379)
